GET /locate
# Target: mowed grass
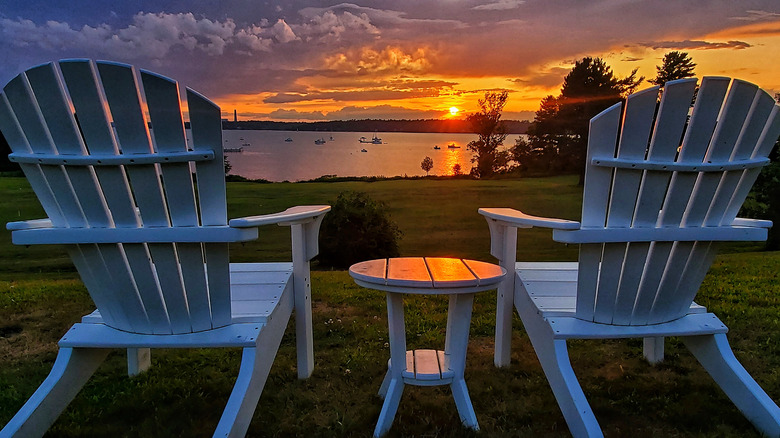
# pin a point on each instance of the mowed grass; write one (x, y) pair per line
(185, 391)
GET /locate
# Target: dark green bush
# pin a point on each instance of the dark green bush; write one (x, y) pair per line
(763, 202)
(356, 229)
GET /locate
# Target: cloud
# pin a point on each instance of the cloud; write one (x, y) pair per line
(543, 77)
(282, 32)
(754, 15)
(390, 59)
(694, 44)
(332, 27)
(352, 95)
(500, 5)
(149, 35)
(381, 112)
(391, 21)
(283, 114)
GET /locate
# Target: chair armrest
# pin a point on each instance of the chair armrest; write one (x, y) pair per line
(293, 215)
(512, 217)
(28, 225)
(746, 222)
(304, 222)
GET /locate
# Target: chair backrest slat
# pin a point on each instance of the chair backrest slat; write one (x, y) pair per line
(13, 134)
(646, 283)
(206, 128)
(637, 128)
(602, 137)
(162, 96)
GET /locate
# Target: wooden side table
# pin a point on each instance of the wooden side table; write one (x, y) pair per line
(458, 278)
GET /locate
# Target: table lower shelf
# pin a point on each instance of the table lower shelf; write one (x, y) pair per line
(426, 368)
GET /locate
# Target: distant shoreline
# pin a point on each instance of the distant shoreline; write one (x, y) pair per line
(371, 125)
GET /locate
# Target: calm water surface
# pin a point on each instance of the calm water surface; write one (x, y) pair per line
(267, 155)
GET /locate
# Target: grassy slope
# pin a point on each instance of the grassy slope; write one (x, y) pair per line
(185, 392)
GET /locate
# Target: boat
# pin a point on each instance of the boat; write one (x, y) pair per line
(453, 146)
(436, 147)
(319, 141)
(288, 139)
(240, 149)
(245, 144)
(364, 150)
(374, 140)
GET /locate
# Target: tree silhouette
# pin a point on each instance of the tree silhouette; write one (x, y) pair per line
(427, 165)
(561, 124)
(676, 65)
(487, 124)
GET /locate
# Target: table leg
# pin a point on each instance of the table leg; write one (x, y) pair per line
(456, 344)
(393, 385)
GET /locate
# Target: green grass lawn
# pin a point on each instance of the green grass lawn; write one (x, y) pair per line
(185, 391)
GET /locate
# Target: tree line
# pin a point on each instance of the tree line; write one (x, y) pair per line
(558, 136)
(370, 125)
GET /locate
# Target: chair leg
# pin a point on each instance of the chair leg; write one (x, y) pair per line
(71, 370)
(255, 366)
(385, 385)
(653, 349)
(554, 357)
(715, 355)
(138, 361)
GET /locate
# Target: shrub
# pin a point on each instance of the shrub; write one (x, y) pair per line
(763, 202)
(356, 229)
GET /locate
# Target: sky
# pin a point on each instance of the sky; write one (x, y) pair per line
(308, 60)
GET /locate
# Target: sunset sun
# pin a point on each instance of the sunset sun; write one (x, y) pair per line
(454, 110)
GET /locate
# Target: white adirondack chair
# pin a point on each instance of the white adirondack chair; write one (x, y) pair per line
(663, 186)
(143, 216)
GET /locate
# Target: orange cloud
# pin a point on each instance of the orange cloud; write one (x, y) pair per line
(388, 60)
(763, 29)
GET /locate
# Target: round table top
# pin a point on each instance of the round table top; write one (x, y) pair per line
(427, 275)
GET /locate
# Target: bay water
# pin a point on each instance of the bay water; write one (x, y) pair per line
(266, 154)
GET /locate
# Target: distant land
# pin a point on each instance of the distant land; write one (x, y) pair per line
(371, 125)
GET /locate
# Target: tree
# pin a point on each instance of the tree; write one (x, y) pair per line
(456, 169)
(676, 65)
(226, 162)
(487, 124)
(427, 165)
(763, 202)
(6, 165)
(562, 122)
